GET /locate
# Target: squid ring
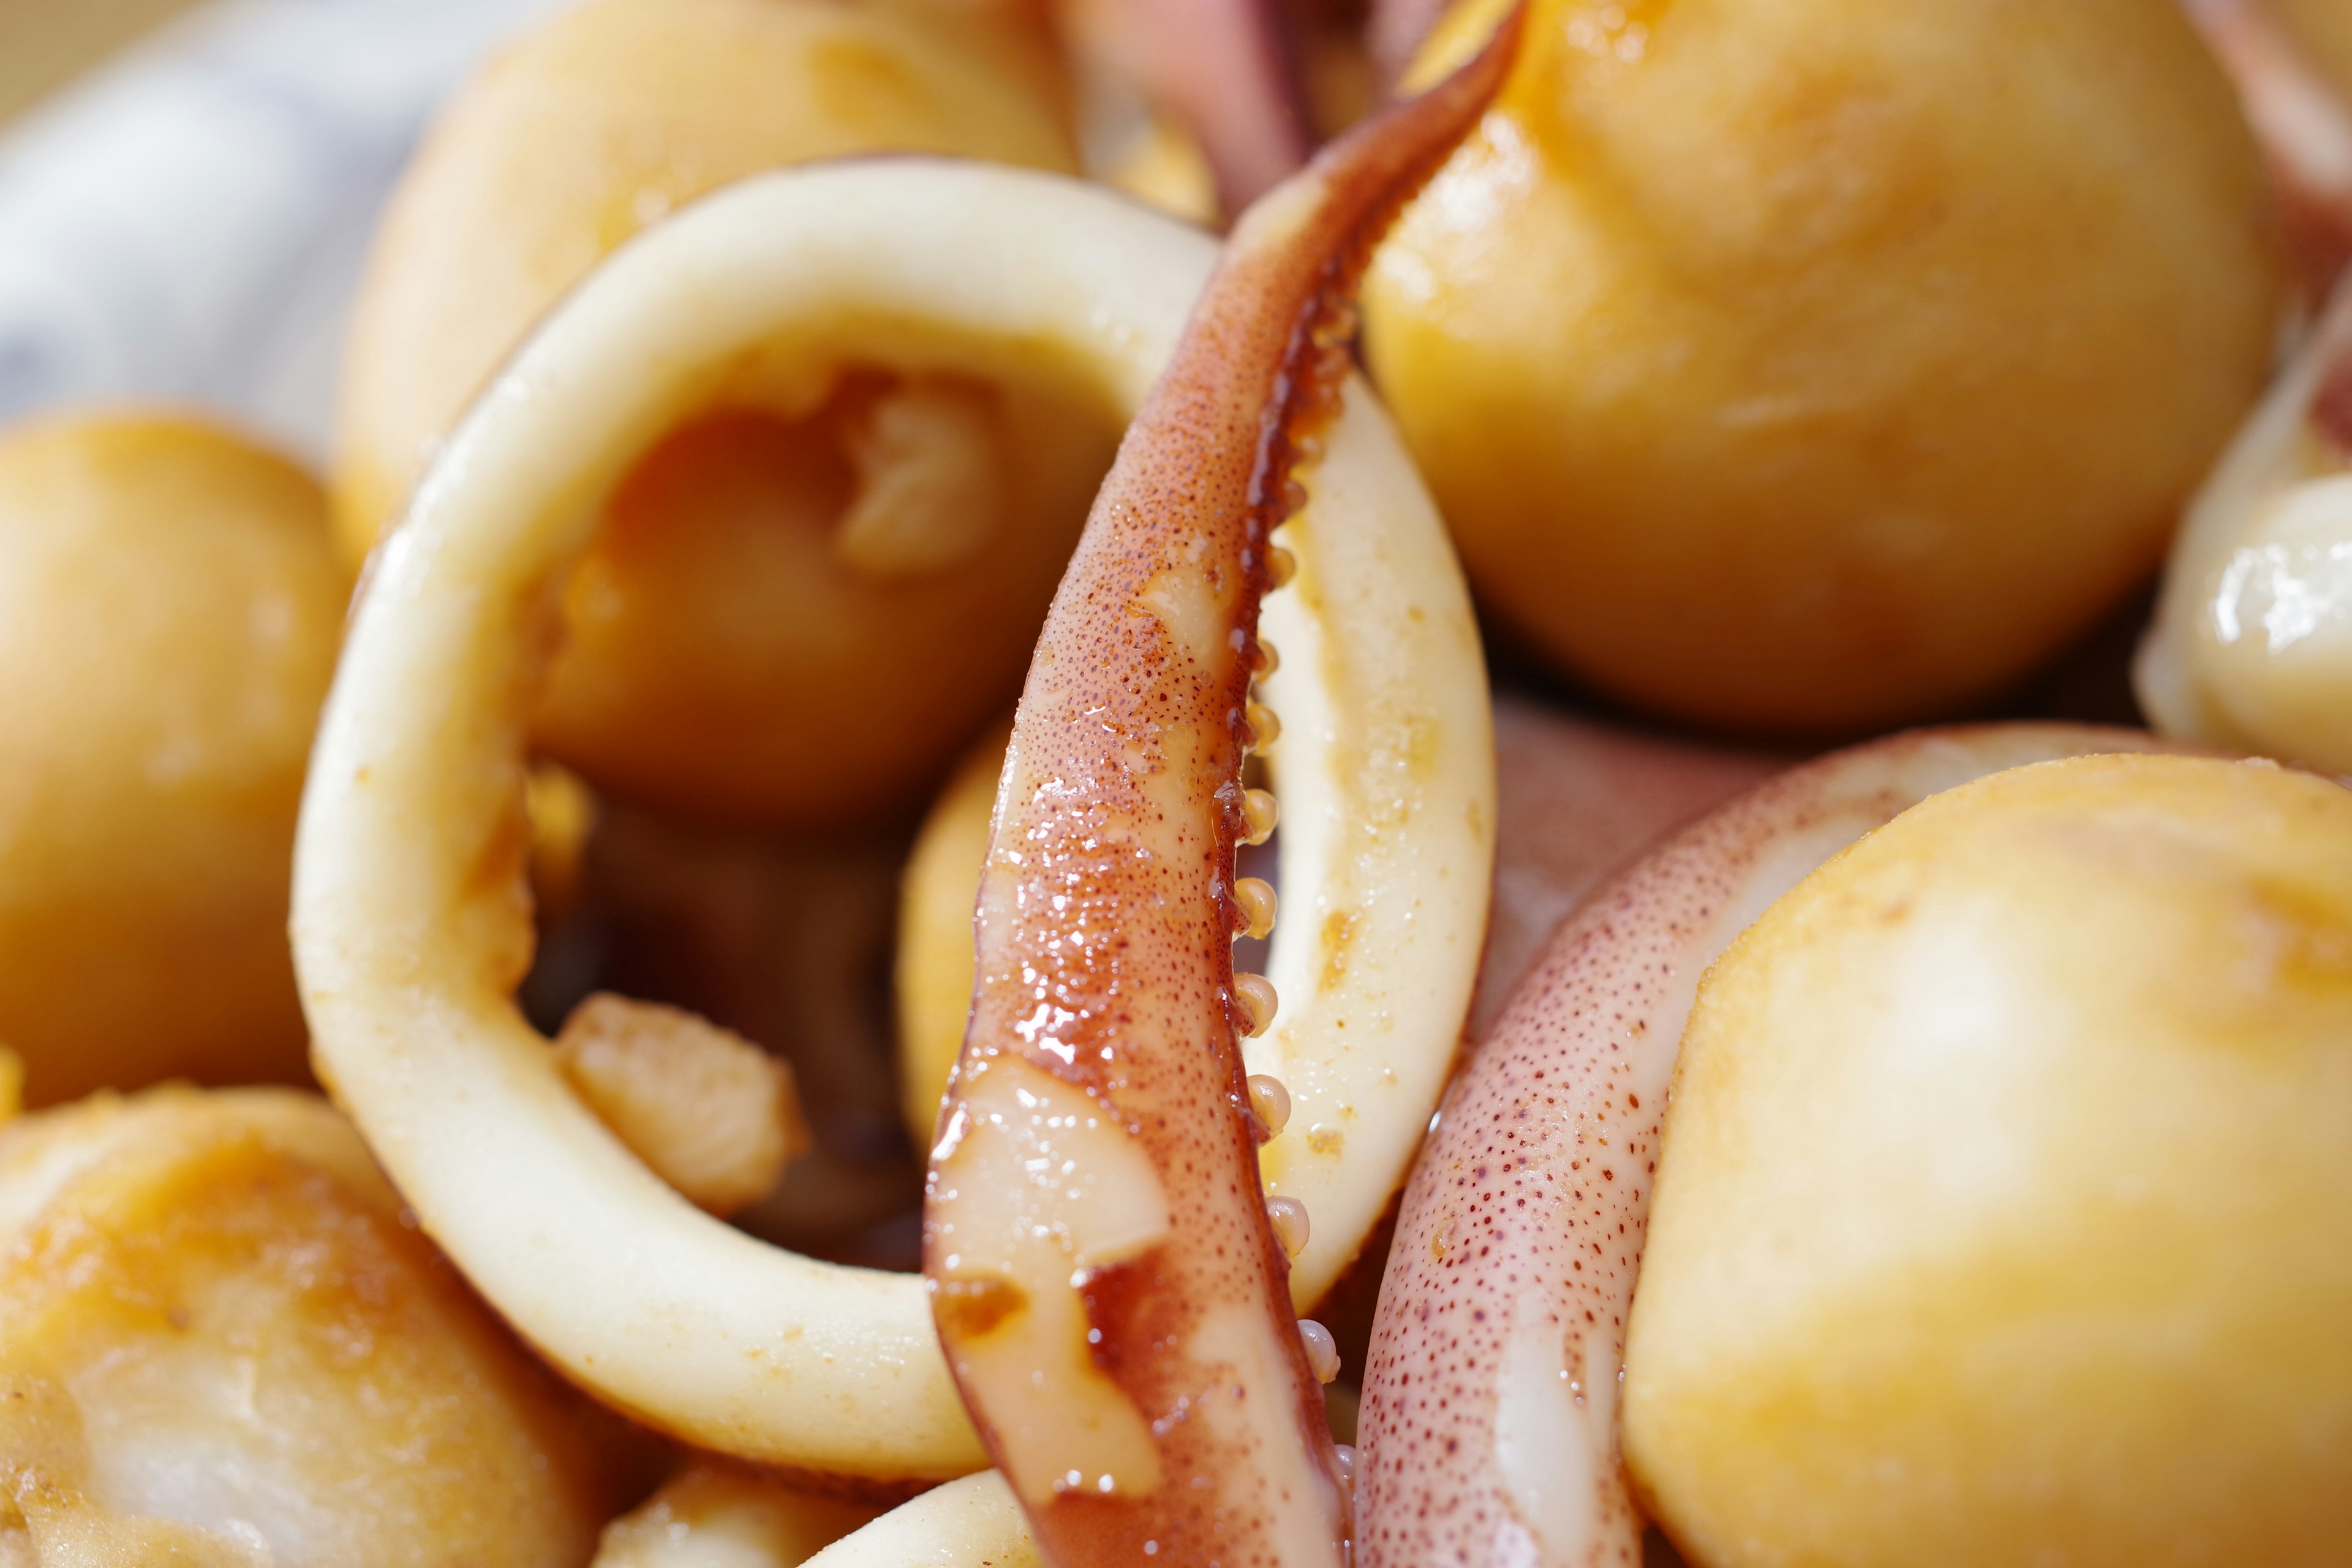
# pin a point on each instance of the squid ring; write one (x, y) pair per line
(412, 922)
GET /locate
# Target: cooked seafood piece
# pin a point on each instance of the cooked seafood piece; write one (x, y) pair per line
(2251, 644)
(713, 1515)
(411, 927)
(2280, 55)
(2324, 28)
(1489, 1415)
(170, 610)
(1113, 1284)
(223, 1343)
(2003, 1193)
(844, 546)
(1807, 366)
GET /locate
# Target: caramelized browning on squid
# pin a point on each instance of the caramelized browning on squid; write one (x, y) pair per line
(1490, 1394)
(1107, 1280)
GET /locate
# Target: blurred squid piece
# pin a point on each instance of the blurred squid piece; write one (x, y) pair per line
(712, 1514)
(2292, 62)
(2324, 28)
(170, 606)
(2251, 645)
(227, 1345)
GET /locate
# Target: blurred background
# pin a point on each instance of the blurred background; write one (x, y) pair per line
(187, 191)
(44, 44)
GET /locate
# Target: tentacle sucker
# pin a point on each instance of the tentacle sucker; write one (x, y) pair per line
(1107, 1283)
(1489, 1416)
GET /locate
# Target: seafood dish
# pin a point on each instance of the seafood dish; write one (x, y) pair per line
(1527, 783)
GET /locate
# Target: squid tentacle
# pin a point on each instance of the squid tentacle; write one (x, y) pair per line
(1490, 1393)
(1108, 1282)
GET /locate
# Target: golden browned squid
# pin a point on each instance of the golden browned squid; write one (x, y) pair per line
(227, 1347)
(1490, 1398)
(861, 553)
(1109, 1280)
(1775, 374)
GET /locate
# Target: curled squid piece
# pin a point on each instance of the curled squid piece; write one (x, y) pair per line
(2292, 60)
(832, 544)
(2251, 644)
(227, 1347)
(1112, 1285)
(1489, 1416)
(412, 926)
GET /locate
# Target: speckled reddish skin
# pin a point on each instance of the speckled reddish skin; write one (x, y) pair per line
(1536, 1184)
(1111, 967)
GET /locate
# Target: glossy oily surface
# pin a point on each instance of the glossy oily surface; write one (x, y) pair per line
(2251, 644)
(2003, 1187)
(843, 544)
(223, 1346)
(1765, 394)
(170, 612)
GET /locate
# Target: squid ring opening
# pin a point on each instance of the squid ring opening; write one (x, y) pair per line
(412, 921)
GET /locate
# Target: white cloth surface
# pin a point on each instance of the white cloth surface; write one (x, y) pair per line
(186, 225)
